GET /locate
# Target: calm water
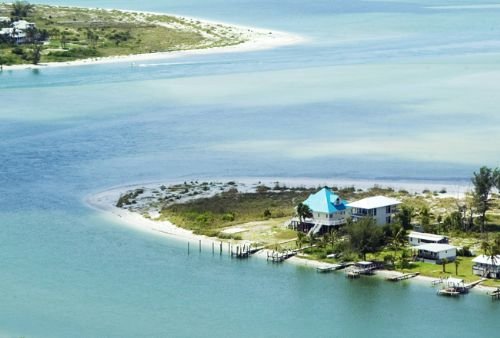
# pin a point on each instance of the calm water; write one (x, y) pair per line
(390, 89)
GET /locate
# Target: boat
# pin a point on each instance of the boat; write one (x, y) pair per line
(452, 292)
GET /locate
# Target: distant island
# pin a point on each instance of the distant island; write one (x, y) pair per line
(38, 34)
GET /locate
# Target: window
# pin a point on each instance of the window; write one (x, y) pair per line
(388, 219)
(374, 212)
(388, 209)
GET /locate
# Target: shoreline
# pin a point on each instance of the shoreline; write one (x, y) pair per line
(258, 39)
(104, 202)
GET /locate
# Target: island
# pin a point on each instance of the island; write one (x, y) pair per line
(42, 34)
(435, 235)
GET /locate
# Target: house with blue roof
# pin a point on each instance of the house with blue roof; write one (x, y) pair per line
(328, 211)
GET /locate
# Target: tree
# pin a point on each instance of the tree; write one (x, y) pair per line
(397, 237)
(92, 38)
(444, 261)
(303, 211)
(496, 178)
(457, 263)
(491, 249)
(365, 236)
(403, 260)
(453, 221)
(300, 239)
(64, 39)
(405, 215)
(483, 182)
(21, 9)
(425, 219)
(36, 53)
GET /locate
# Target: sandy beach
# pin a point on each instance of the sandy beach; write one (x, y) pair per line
(256, 39)
(105, 202)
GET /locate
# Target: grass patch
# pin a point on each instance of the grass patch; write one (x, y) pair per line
(209, 215)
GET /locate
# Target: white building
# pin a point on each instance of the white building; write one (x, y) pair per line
(22, 25)
(485, 267)
(17, 31)
(435, 253)
(419, 238)
(328, 211)
(381, 208)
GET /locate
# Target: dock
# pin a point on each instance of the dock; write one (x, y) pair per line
(241, 251)
(403, 277)
(471, 285)
(455, 287)
(332, 267)
(437, 281)
(278, 257)
(361, 268)
(495, 295)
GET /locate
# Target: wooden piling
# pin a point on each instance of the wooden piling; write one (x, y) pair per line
(199, 244)
(188, 248)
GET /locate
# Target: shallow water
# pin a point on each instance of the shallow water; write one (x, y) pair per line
(387, 89)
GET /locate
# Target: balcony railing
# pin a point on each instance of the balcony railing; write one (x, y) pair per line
(327, 222)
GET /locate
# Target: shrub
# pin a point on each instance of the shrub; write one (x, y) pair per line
(228, 217)
(267, 213)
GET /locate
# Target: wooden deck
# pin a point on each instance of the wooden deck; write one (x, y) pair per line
(403, 277)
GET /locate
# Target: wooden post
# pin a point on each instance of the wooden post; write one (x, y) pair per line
(188, 248)
(221, 248)
(213, 249)
(199, 244)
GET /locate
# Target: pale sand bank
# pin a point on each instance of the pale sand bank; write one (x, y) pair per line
(256, 39)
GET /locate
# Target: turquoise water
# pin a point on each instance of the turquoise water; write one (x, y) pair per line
(387, 89)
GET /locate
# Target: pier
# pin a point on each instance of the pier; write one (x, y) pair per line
(495, 295)
(403, 277)
(278, 257)
(332, 267)
(455, 287)
(243, 251)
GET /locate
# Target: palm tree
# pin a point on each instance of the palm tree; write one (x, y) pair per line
(397, 239)
(303, 211)
(21, 9)
(483, 182)
(300, 238)
(490, 250)
(444, 261)
(457, 263)
(36, 54)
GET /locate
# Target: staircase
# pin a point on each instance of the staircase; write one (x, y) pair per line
(315, 229)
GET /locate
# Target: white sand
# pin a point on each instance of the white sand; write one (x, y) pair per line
(257, 39)
(105, 202)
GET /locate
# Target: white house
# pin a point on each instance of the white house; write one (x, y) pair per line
(485, 267)
(22, 25)
(419, 238)
(435, 252)
(17, 31)
(381, 208)
(328, 210)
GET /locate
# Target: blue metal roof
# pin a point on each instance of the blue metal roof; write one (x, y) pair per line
(325, 201)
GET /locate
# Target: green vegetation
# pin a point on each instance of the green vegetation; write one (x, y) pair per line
(72, 33)
(365, 236)
(208, 216)
(258, 216)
